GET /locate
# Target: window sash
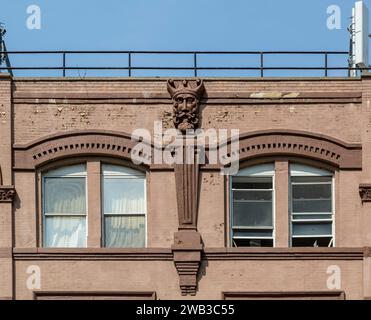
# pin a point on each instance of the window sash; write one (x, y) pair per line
(253, 228)
(324, 181)
(67, 215)
(253, 233)
(297, 183)
(313, 236)
(124, 214)
(69, 232)
(130, 175)
(236, 189)
(311, 213)
(58, 214)
(118, 239)
(141, 200)
(257, 216)
(241, 232)
(252, 238)
(62, 179)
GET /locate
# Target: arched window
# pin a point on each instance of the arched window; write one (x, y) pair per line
(94, 204)
(283, 204)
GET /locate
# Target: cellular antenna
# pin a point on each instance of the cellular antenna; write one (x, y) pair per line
(358, 29)
(4, 58)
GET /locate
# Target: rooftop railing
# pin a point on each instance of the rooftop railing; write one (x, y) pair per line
(180, 63)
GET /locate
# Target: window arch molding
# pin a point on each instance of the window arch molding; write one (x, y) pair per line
(300, 144)
(88, 143)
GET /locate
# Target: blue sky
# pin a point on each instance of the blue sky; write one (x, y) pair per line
(175, 25)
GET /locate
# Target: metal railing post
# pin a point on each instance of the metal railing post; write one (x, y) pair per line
(326, 63)
(195, 63)
(129, 64)
(64, 64)
(261, 64)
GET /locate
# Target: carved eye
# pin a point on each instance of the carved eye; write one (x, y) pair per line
(190, 100)
(179, 100)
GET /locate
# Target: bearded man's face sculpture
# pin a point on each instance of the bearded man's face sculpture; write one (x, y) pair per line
(186, 97)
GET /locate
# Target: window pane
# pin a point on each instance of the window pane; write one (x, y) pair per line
(125, 231)
(123, 195)
(67, 171)
(312, 242)
(312, 216)
(311, 179)
(252, 183)
(64, 195)
(311, 191)
(115, 170)
(252, 214)
(65, 232)
(312, 206)
(252, 195)
(303, 229)
(252, 233)
(252, 242)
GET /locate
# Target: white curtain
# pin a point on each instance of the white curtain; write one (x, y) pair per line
(65, 232)
(64, 195)
(125, 231)
(124, 197)
(63, 199)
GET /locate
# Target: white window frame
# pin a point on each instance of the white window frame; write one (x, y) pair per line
(127, 173)
(299, 170)
(257, 171)
(68, 171)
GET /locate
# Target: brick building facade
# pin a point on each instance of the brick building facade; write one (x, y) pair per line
(303, 152)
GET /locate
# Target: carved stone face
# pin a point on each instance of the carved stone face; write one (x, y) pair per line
(185, 102)
(186, 96)
(185, 115)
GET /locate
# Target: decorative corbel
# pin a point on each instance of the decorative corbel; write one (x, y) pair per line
(7, 194)
(186, 96)
(187, 248)
(187, 251)
(365, 192)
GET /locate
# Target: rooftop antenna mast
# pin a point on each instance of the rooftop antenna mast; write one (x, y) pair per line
(4, 58)
(358, 46)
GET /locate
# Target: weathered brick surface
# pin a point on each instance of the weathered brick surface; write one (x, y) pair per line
(6, 267)
(47, 106)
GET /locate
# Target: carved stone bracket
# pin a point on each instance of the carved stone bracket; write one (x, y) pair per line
(186, 95)
(365, 192)
(187, 250)
(7, 194)
(187, 246)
